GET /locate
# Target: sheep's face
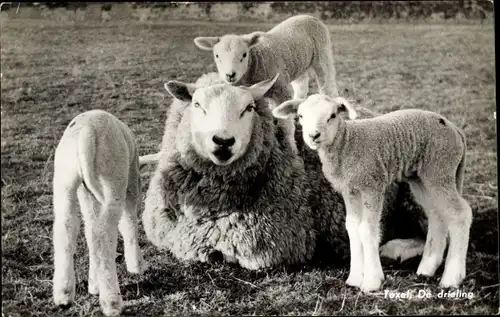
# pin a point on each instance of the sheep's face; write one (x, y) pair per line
(231, 54)
(221, 122)
(318, 115)
(221, 117)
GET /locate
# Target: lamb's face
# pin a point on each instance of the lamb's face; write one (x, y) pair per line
(222, 118)
(318, 115)
(231, 57)
(319, 120)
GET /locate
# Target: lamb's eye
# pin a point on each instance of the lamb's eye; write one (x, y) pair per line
(196, 104)
(216, 56)
(333, 116)
(244, 55)
(300, 116)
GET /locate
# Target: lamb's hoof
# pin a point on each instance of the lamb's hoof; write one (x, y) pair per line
(372, 284)
(402, 249)
(138, 268)
(93, 288)
(427, 267)
(451, 280)
(112, 305)
(64, 297)
(354, 280)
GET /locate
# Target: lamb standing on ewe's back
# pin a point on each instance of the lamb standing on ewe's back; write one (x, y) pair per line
(229, 183)
(96, 160)
(293, 48)
(362, 157)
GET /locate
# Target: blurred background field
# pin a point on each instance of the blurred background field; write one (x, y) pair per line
(57, 62)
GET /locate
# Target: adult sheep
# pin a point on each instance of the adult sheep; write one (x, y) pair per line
(228, 182)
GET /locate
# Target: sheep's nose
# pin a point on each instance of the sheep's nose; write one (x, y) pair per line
(223, 142)
(230, 76)
(314, 136)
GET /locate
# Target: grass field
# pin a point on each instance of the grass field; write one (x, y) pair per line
(51, 73)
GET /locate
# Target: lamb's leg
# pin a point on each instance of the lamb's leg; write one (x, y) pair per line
(458, 218)
(103, 236)
(128, 223)
(300, 86)
(281, 92)
(369, 229)
(354, 213)
(323, 66)
(435, 243)
(89, 206)
(65, 232)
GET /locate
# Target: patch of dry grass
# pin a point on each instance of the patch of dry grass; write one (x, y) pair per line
(51, 73)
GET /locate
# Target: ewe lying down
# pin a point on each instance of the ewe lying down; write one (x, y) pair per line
(362, 157)
(229, 185)
(96, 160)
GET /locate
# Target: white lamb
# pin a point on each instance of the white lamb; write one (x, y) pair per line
(362, 157)
(294, 48)
(96, 160)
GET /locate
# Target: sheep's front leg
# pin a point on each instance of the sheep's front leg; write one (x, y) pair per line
(369, 230)
(354, 211)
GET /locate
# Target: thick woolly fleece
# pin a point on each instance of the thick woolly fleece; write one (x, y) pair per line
(269, 207)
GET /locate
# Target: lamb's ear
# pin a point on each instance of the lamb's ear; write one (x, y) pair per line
(180, 90)
(206, 43)
(287, 109)
(259, 89)
(253, 38)
(345, 106)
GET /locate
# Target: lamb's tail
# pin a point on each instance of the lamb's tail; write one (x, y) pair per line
(87, 149)
(149, 159)
(460, 175)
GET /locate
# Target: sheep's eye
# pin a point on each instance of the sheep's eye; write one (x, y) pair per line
(216, 55)
(249, 108)
(244, 55)
(300, 116)
(196, 105)
(333, 116)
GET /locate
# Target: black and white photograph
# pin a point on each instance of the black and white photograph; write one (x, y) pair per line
(309, 158)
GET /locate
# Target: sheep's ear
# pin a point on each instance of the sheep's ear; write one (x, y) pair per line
(206, 43)
(252, 38)
(259, 89)
(287, 109)
(345, 106)
(180, 90)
